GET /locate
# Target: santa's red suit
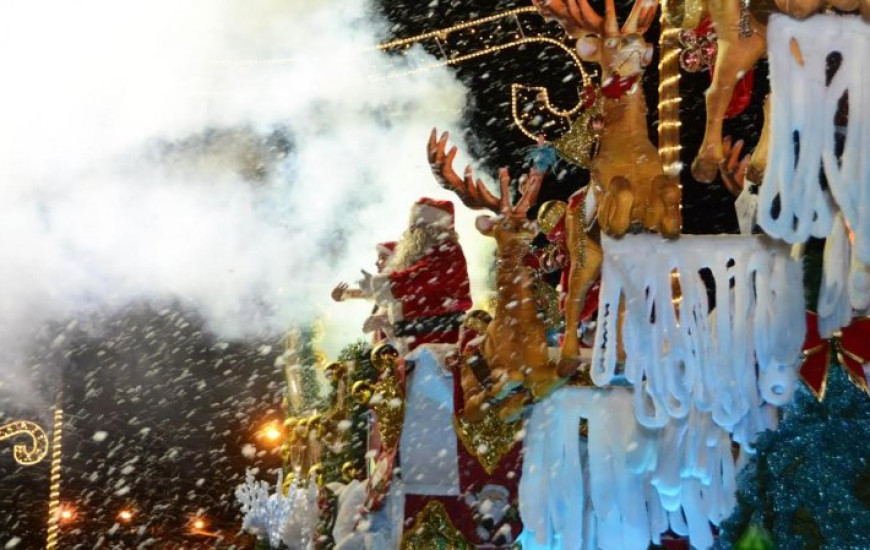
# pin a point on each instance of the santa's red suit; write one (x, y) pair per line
(428, 299)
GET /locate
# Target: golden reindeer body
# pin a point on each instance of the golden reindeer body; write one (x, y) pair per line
(515, 345)
(629, 181)
(627, 177)
(742, 41)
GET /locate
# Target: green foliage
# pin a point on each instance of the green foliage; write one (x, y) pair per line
(755, 538)
(808, 483)
(356, 355)
(301, 351)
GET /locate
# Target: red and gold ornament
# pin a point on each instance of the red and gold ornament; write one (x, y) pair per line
(850, 345)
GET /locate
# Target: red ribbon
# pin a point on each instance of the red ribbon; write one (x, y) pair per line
(851, 345)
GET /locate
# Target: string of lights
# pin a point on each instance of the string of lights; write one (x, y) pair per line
(541, 93)
(669, 95)
(24, 454)
(442, 33)
(54, 488)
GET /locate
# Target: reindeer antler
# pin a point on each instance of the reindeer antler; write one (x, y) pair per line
(641, 17)
(585, 16)
(578, 17)
(528, 190)
(473, 194)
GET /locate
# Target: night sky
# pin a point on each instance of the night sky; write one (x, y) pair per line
(159, 411)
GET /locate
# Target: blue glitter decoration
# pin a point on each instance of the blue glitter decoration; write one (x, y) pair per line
(808, 482)
(542, 157)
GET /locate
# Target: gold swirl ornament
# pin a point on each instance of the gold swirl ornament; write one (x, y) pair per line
(389, 406)
(24, 454)
(384, 357)
(349, 472)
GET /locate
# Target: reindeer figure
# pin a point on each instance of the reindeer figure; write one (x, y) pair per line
(801, 9)
(515, 345)
(629, 182)
(742, 42)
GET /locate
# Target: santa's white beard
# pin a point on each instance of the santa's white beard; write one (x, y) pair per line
(415, 243)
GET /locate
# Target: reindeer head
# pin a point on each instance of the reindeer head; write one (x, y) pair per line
(622, 53)
(511, 226)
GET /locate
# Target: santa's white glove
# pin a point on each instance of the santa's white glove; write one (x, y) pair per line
(367, 282)
(375, 322)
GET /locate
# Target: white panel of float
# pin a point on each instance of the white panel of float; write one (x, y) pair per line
(428, 446)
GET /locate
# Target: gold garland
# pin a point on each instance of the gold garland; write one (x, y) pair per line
(487, 440)
(23, 454)
(433, 530)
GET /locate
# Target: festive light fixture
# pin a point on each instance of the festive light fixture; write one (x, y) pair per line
(67, 514)
(198, 524)
(669, 95)
(519, 40)
(54, 483)
(24, 454)
(271, 433)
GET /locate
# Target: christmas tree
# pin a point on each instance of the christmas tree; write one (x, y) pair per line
(809, 483)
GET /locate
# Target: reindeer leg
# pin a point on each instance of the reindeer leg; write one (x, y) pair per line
(614, 213)
(664, 213)
(511, 409)
(758, 159)
(583, 276)
(735, 57)
(800, 9)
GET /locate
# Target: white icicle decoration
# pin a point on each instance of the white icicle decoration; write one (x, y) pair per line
(804, 128)
(682, 355)
(628, 484)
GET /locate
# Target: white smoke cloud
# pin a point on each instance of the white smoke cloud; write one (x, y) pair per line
(129, 133)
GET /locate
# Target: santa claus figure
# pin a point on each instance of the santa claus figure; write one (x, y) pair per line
(425, 287)
(378, 322)
(342, 291)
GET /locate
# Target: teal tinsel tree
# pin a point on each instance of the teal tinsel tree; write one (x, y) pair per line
(301, 361)
(808, 485)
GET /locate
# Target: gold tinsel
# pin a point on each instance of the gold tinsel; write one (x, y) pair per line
(577, 145)
(487, 440)
(433, 530)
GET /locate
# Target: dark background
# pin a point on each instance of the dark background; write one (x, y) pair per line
(178, 406)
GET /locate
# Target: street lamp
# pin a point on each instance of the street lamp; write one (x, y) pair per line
(125, 515)
(271, 433)
(66, 514)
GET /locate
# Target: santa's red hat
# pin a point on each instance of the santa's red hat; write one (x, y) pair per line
(432, 212)
(387, 248)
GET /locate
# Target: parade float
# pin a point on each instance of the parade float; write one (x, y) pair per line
(622, 408)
